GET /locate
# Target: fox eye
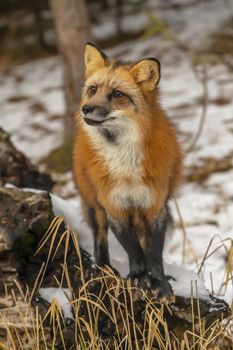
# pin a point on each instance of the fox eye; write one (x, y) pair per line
(117, 94)
(92, 89)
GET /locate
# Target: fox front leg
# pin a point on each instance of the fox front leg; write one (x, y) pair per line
(126, 235)
(96, 218)
(153, 251)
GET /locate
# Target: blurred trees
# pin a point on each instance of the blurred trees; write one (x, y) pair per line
(27, 32)
(16, 12)
(73, 30)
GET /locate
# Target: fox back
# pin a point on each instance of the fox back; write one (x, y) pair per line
(127, 160)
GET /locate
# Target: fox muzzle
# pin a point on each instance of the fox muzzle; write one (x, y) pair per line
(94, 115)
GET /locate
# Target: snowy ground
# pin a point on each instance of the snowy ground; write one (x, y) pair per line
(31, 105)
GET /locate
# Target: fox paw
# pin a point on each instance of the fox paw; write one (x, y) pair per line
(141, 284)
(162, 290)
(152, 287)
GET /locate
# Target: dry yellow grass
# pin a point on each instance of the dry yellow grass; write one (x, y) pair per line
(23, 327)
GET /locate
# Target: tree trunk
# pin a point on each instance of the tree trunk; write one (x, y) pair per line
(73, 30)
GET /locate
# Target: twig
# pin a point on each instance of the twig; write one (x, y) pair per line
(203, 81)
(182, 229)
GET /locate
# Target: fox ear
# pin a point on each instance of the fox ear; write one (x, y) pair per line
(146, 73)
(94, 59)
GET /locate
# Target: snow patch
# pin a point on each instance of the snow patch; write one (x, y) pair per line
(185, 282)
(62, 296)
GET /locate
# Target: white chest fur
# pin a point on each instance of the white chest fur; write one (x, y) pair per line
(135, 195)
(123, 158)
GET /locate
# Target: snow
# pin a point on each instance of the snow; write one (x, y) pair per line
(61, 296)
(186, 283)
(37, 84)
(191, 23)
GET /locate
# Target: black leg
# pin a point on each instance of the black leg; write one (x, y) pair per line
(98, 222)
(153, 251)
(126, 234)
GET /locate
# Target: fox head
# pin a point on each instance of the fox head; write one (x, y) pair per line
(115, 94)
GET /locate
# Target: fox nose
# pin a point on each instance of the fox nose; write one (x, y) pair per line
(88, 109)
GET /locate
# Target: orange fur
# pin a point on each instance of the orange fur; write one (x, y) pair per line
(161, 164)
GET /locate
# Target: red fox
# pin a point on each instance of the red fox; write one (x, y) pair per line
(127, 163)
